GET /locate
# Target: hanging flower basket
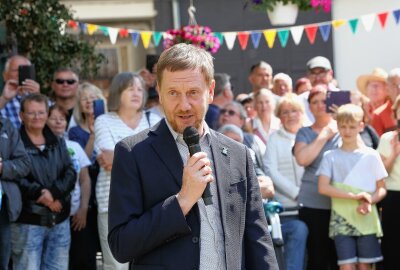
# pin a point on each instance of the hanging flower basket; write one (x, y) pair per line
(283, 14)
(200, 36)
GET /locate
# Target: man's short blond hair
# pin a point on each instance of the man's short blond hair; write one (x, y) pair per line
(184, 56)
(349, 113)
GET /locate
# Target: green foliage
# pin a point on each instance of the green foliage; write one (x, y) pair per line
(263, 5)
(35, 25)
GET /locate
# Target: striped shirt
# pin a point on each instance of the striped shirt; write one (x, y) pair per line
(212, 243)
(109, 130)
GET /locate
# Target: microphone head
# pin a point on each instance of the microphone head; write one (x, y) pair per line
(191, 135)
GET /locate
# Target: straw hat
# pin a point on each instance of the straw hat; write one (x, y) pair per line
(378, 74)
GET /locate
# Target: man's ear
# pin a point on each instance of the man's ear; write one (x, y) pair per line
(158, 91)
(211, 92)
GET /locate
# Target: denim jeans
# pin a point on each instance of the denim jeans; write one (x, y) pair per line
(295, 234)
(37, 247)
(5, 237)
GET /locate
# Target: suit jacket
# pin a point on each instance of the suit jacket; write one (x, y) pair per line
(146, 224)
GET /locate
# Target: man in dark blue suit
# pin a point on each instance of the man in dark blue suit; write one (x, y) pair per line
(157, 218)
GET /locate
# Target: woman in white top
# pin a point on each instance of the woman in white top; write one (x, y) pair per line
(126, 117)
(281, 166)
(265, 122)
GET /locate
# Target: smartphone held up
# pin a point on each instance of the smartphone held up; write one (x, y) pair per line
(337, 98)
(26, 72)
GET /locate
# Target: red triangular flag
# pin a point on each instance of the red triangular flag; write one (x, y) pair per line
(243, 38)
(311, 31)
(382, 18)
(123, 33)
(72, 24)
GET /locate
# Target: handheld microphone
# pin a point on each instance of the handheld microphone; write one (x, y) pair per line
(398, 129)
(192, 138)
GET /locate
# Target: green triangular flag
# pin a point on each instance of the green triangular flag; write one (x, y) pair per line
(353, 25)
(283, 37)
(220, 37)
(157, 37)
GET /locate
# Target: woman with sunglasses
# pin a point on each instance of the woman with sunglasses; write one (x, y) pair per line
(41, 235)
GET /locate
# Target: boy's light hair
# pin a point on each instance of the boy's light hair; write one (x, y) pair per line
(349, 113)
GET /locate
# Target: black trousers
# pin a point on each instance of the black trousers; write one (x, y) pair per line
(321, 253)
(84, 244)
(391, 230)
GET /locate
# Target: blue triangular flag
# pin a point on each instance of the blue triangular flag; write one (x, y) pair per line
(396, 14)
(325, 30)
(255, 38)
(135, 38)
(82, 26)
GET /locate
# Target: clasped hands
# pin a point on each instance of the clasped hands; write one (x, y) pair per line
(47, 200)
(365, 203)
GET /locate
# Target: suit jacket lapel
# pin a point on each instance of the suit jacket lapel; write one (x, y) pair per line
(165, 146)
(221, 158)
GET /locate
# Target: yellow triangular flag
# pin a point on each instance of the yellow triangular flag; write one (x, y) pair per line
(91, 28)
(337, 23)
(270, 36)
(146, 36)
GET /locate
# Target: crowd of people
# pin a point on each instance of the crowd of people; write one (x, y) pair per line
(338, 171)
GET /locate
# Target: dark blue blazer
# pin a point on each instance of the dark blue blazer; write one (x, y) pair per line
(146, 224)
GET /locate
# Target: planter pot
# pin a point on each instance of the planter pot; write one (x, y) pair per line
(283, 14)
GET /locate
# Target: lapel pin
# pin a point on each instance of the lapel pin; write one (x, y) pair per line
(224, 151)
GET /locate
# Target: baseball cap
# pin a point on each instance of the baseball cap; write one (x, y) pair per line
(319, 62)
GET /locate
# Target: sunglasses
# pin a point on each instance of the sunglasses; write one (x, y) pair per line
(229, 112)
(68, 81)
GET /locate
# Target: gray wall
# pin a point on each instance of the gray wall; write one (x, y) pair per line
(230, 15)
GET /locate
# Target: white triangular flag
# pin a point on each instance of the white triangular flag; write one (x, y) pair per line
(113, 34)
(297, 33)
(230, 38)
(368, 21)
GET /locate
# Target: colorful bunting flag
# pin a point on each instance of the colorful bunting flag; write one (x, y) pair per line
(230, 38)
(269, 36)
(113, 34)
(396, 14)
(146, 35)
(337, 23)
(91, 28)
(382, 18)
(220, 37)
(297, 33)
(311, 32)
(325, 30)
(255, 38)
(157, 38)
(283, 36)
(243, 38)
(353, 25)
(135, 38)
(368, 21)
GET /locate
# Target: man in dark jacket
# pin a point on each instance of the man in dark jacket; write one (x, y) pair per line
(14, 164)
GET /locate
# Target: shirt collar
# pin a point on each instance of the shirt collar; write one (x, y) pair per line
(178, 137)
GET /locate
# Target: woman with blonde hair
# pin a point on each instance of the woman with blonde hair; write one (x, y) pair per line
(265, 122)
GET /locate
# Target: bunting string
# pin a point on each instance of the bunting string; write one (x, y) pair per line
(366, 21)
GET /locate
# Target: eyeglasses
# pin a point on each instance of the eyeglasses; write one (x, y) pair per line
(55, 119)
(318, 74)
(62, 81)
(36, 114)
(229, 112)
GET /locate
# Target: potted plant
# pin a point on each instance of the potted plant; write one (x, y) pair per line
(284, 12)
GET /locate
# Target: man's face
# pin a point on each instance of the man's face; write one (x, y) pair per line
(260, 78)
(12, 72)
(376, 92)
(184, 96)
(394, 87)
(65, 84)
(320, 76)
(281, 87)
(230, 115)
